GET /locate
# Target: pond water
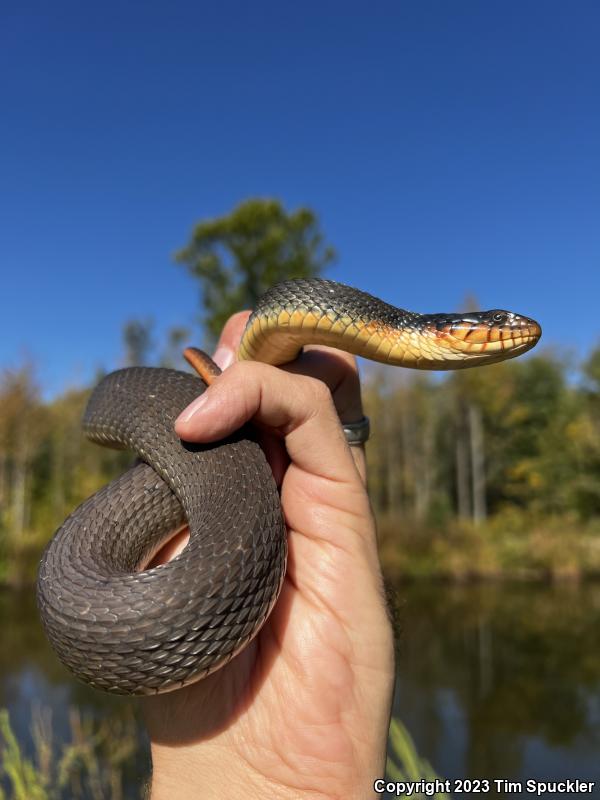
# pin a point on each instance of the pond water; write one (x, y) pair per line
(502, 681)
(495, 681)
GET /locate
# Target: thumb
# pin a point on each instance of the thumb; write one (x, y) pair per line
(229, 340)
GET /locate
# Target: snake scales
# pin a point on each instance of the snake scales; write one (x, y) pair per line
(128, 630)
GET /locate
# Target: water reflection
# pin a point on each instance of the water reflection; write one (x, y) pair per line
(494, 681)
(502, 680)
(33, 681)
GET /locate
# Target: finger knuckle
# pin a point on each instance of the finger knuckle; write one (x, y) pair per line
(317, 392)
(241, 370)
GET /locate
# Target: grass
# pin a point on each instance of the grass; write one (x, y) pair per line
(405, 764)
(94, 764)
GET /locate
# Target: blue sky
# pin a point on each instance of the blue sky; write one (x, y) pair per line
(448, 148)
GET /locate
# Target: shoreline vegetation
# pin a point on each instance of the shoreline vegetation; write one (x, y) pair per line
(102, 759)
(94, 758)
(488, 474)
(508, 547)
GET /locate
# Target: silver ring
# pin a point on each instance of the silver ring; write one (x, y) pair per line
(357, 433)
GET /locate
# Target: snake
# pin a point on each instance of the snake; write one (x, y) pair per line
(125, 628)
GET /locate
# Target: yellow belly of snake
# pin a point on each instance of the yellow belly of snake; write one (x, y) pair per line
(296, 313)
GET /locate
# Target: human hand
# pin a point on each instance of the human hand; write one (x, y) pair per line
(303, 711)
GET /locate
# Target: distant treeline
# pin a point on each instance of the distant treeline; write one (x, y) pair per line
(521, 435)
(489, 472)
(484, 471)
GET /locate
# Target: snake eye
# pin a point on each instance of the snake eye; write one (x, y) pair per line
(499, 316)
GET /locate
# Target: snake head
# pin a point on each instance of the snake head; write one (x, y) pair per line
(484, 336)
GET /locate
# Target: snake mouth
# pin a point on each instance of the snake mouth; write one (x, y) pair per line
(486, 336)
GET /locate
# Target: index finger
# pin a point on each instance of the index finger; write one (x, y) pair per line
(335, 368)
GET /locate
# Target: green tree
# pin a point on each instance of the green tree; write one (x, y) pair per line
(591, 372)
(137, 342)
(584, 433)
(239, 256)
(21, 418)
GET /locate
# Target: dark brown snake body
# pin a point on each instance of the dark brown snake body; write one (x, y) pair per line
(133, 631)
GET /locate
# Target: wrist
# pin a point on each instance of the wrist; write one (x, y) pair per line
(183, 773)
(205, 772)
(186, 776)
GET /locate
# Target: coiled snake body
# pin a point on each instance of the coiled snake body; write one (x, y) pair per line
(133, 631)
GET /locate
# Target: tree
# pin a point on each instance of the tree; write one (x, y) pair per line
(137, 341)
(584, 434)
(239, 256)
(171, 354)
(20, 422)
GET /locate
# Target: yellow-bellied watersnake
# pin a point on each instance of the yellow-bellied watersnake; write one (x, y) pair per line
(134, 631)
